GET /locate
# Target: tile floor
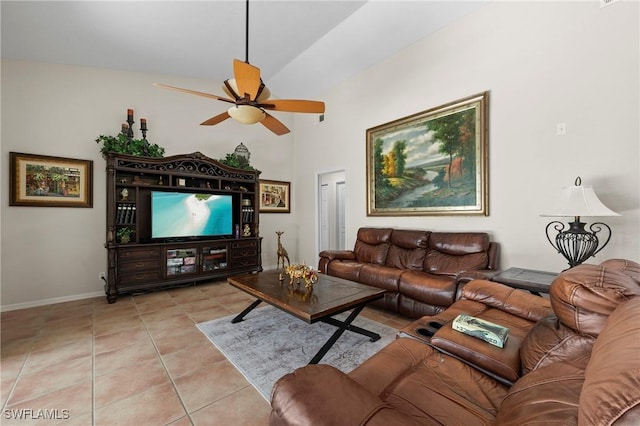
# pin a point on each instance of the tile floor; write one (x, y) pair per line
(139, 361)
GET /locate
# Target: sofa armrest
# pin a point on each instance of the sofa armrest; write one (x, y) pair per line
(515, 302)
(321, 395)
(338, 254)
(326, 256)
(503, 364)
(467, 276)
(483, 274)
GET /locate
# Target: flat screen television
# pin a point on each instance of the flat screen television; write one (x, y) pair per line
(187, 215)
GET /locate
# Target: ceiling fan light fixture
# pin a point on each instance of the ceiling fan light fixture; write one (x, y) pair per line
(246, 114)
(263, 96)
(249, 94)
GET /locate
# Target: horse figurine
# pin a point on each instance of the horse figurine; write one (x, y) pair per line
(282, 252)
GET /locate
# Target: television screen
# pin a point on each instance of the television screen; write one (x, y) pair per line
(183, 214)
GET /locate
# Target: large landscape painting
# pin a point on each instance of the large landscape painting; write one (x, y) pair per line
(433, 162)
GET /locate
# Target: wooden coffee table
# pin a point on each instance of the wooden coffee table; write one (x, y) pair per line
(328, 297)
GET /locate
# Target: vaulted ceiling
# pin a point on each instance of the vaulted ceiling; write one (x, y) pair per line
(303, 47)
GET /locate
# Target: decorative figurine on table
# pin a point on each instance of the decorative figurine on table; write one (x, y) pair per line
(282, 252)
(302, 272)
(246, 231)
(125, 194)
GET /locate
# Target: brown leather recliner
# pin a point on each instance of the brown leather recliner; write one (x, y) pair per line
(580, 365)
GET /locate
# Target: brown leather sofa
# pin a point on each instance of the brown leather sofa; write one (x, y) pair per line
(578, 366)
(422, 271)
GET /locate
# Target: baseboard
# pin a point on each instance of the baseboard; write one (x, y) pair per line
(25, 305)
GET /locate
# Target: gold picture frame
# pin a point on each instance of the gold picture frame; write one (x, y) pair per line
(46, 181)
(431, 163)
(275, 196)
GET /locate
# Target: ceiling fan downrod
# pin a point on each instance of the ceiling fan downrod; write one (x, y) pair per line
(246, 56)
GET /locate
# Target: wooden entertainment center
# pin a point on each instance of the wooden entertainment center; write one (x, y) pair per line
(150, 261)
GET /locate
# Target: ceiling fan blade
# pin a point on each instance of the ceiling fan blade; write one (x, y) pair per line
(215, 120)
(294, 105)
(273, 124)
(247, 78)
(193, 92)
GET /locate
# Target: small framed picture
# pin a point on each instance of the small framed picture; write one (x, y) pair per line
(181, 182)
(275, 196)
(45, 181)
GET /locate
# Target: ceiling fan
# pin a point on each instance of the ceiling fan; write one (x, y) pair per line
(250, 97)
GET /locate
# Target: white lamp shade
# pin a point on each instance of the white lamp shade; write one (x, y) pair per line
(580, 201)
(246, 114)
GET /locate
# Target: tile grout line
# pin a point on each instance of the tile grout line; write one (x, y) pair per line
(19, 375)
(93, 366)
(164, 366)
(32, 344)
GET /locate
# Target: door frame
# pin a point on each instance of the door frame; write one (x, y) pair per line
(318, 212)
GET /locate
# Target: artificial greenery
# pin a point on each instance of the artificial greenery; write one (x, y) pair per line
(124, 234)
(237, 161)
(122, 144)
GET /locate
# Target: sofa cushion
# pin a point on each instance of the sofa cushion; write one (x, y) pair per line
(408, 249)
(372, 245)
(452, 253)
(369, 253)
(347, 270)
(402, 258)
(374, 236)
(501, 363)
(627, 267)
(583, 297)
(547, 396)
(550, 341)
(410, 239)
(439, 290)
(516, 302)
(380, 276)
(309, 384)
(612, 377)
(430, 386)
(459, 243)
(412, 308)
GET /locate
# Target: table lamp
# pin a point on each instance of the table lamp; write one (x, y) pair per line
(576, 243)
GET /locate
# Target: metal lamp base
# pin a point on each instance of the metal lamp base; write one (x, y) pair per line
(575, 243)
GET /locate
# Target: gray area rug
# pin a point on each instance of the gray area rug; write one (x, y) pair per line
(270, 343)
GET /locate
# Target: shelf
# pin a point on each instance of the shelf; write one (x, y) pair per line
(130, 183)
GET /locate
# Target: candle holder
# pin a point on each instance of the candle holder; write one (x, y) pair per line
(130, 129)
(130, 121)
(127, 128)
(143, 128)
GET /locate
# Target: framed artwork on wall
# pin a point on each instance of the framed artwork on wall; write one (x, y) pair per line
(275, 196)
(45, 181)
(430, 163)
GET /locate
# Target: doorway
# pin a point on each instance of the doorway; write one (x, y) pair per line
(332, 193)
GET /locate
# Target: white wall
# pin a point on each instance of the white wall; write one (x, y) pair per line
(543, 63)
(55, 254)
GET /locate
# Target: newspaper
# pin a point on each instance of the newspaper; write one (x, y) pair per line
(489, 332)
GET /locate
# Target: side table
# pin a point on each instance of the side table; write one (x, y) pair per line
(535, 282)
